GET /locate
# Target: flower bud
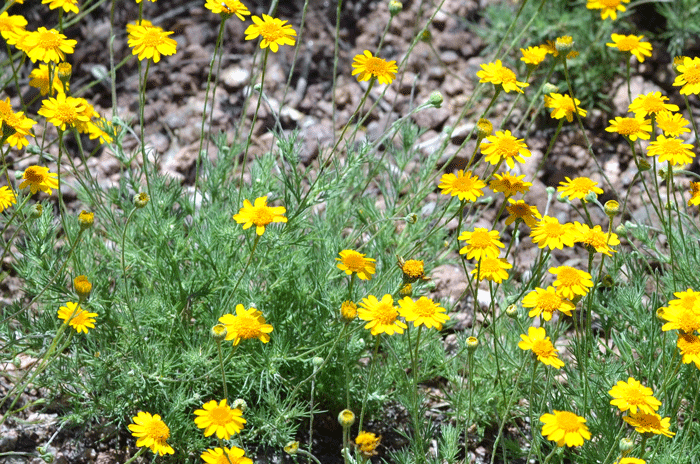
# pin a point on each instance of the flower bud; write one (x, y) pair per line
(472, 344)
(590, 197)
(141, 199)
(317, 361)
(426, 36)
(240, 404)
(660, 313)
(564, 44)
(412, 218)
(291, 448)
(64, 71)
(621, 230)
(346, 418)
(484, 128)
(348, 310)
(82, 287)
(626, 445)
(36, 210)
(395, 8)
(612, 208)
(643, 165)
(436, 99)
(86, 220)
(548, 88)
(406, 290)
(512, 311)
(218, 332)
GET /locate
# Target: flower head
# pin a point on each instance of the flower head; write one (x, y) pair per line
(533, 56)
(672, 150)
(519, 210)
(47, 45)
(492, 269)
(688, 76)
(381, 315)
(550, 233)
(423, 311)
(632, 44)
(633, 396)
(565, 428)
(563, 106)
(63, 111)
(537, 341)
(78, 318)
(631, 128)
(368, 66)
(650, 103)
(694, 194)
(499, 75)
(504, 147)
(82, 286)
(225, 455)
(673, 124)
(464, 186)
(353, 261)
(609, 7)
(683, 316)
(367, 443)
(596, 238)
(578, 187)
(259, 214)
(481, 243)
(21, 124)
(348, 310)
(412, 270)
(247, 323)
(689, 347)
(650, 423)
(39, 78)
(219, 418)
(11, 24)
(151, 432)
(69, 6)
(509, 184)
(39, 178)
(7, 198)
(571, 282)
(545, 302)
(630, 461)
(228, 8)
(274, 32)
(151, 42)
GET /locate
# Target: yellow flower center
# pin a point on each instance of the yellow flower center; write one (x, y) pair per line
(548, 301)
(672, 147)
(152, 37)
(65, 113)
(413, 268)
(247, 327)
(480, 239)
(689, 344)
(49, 40)
(543, 348)
(633, 395)
(595, 239)
(271, 31)
(628, 43)
(568, 421)
(375, 66)
(520, 210)
(554, 230)
(354, 262)
(507, 147)
(262, 216)
(569, 277)
(692, 74)
(490, 266)
(582, 185)
(157, 430)
(385, 313)
(628, 126)
(463, 184)
(424, 308)
(220, 415)
(33, 175)
(610, 3)
(505, 75)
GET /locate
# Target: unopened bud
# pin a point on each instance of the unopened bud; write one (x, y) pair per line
(395, 8)
(512, 311)
(612, 208)
(346, 418)
(141, 199)
(240, 404)
(86, 219)
(472, 344)
(218, 332)
(436, 99)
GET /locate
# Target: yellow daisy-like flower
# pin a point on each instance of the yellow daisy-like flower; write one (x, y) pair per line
(259, 214)
(533, 56)
(39, 178)
(78, 318)
(69, 6)
(578, 187)
(11, 24)
(464, 186)
(672, 150)
(481, 243)
(596, 238)
(650, 103)
(274, 32)
(18, 121)
(609, 7)
(630, 461)
(64, 111)
(694, 194)
(219, 418)
(367, 443)
(504, 147)
(150, 42)
(545, 302)
(571, 282)
(565, 428)
(353, 261)
(650, 423)
(423, 311)
(632, 44)
(563, 106)
(130, 27)
(47, 45)
(7, 198)
(550, 233)
(519, 210)
(348, 310)
(492, 269)
(368, 66)
(39, 78)
(633, 396)
(247, 323)
(632, 128)
(685, 318)
(509, 184)
(412, 270)
(538, 342)
(225, 455)
(498, 75)
(82, 286)
(688, 76)
(151, 432)
(689, 347)
(381, 315)
(673, 124)
(228, 8)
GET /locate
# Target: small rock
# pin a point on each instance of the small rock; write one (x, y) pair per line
(235, 77)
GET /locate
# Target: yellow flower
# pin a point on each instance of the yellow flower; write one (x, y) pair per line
(498, 75)
(247, 323)
(673, 124)
(228, 8)
(464, 186)
(533, 56)
(75, 316)
(519, 210)
(412, 270)
(86, 219)
(367, 443)
(39, 178)
(685, 318)
(609, 7)
(64, 111)
(550, 233)
(274, 32)
(689, 347)
(231, 455)
(18, 121)
(596, 238)
(538, 342)
(694, 194)
(39, 78)
(504, 147)
(151, 432)
(481, 243)
(633, 396)
(367, 66)
(259, 214)
(571, 282)
(630, 461)
(423, 311)
(67, 5)
(563, 106)
(348, 310)
(650, 103)
(381, 315)
(219, 418)
(632, 44)
(47, 45)
(565, 428)
(689, 76)
(492, 269)
(509, 184)
(545, 302)
(672, 150)
(650, 423)
(632, 128)
(353, 261)
(82, 286)
(151, 42)
(7, 198)
(11, 24)
(578, 187)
